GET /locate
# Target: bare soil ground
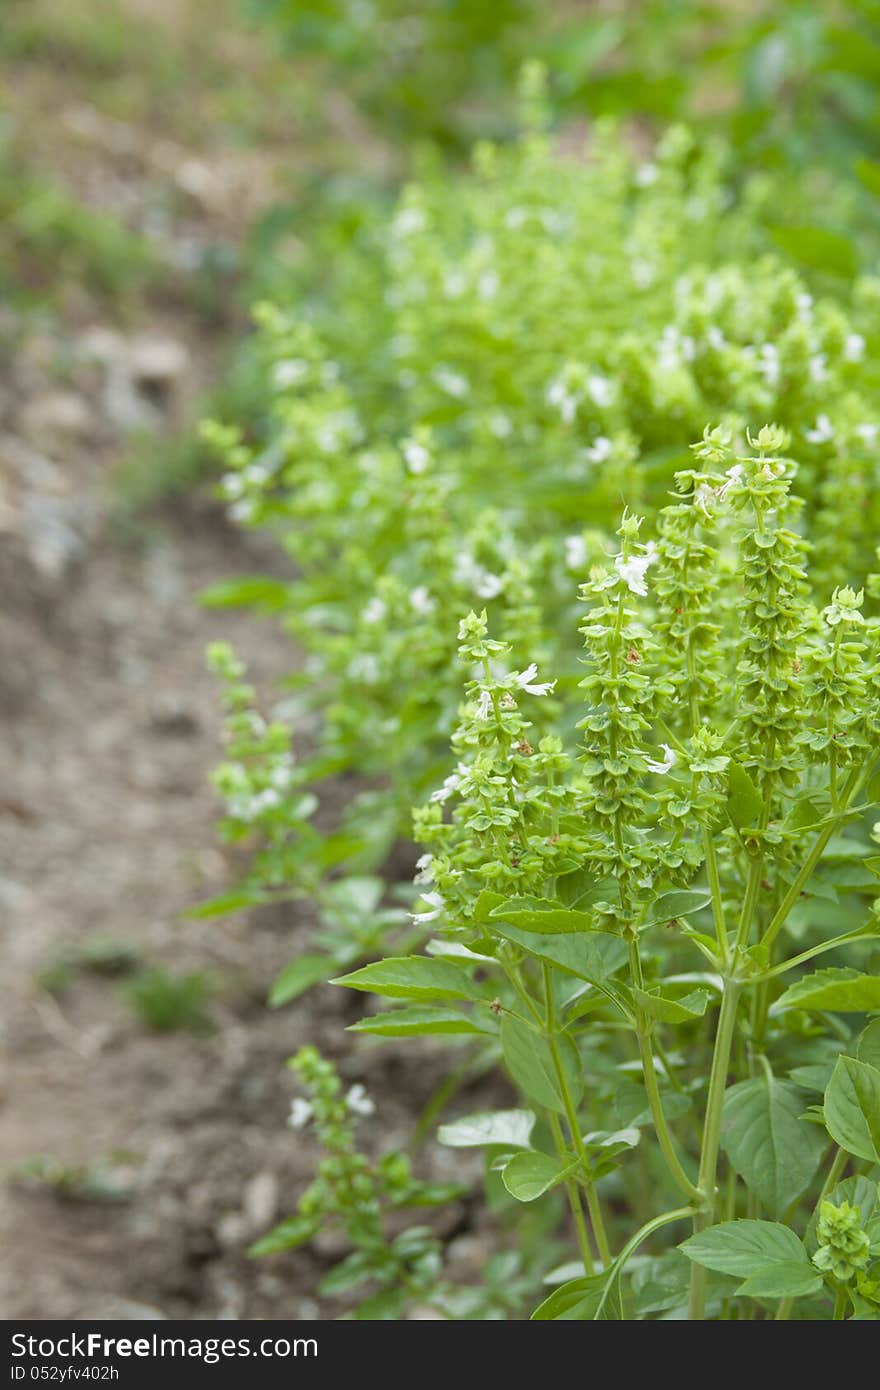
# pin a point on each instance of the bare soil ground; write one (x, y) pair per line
(163, 1155)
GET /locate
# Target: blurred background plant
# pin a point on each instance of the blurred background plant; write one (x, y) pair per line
(355, 92)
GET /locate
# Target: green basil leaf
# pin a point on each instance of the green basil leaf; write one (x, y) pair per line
(775, 1152)
(852, 1108)
(541, 915)
(412, 977)
(419, 1022)
(297, 977)
(529, 1175)
(765, 1254)
(512, 1128)
(529, 1060)
(840, 990)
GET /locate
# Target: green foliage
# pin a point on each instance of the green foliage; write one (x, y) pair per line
(168, 1002)
(844, 1248)
(852, 1108)
(766, 1255)
(107, 1179)
(412, 67)
(51, 241)
(788, 83)
(100, 954)
(542, 857)
(389, 1271)
(591, 314)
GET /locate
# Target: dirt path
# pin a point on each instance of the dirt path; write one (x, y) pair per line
(106, 834)
(135, 1167)
(109, 729)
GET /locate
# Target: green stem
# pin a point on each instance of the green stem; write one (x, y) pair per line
(574, 1198)
(655, 1101)
(715, 889)
(593, 1206)
(839, 1162)
(750, 902)
(665, 1219)
(783, 1312)
(851, 786)
(712, 1135)
(512, 973)
(793, 961)
(840, 1304)
(708, 842)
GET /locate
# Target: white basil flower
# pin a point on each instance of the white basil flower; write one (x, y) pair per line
(768, 364)
(601, 390)
(289, 373)
(818, 367)
(407, 221)
(375, 610)
(599, 450)
(359, 1102)
(488, 585)
(575, 552)
(734, 475)
(436, 906)
(243, 510)
(452, 784)
(232, 485)
(423, 864)
(525, 681)
(853, 348)
(256, 473)
(281, 776)
(565, 401)
(416, 455)
(300, 1113)
(669, 760)
(705, 496)
(485, 704)
(364, 666)
(421, 601)
(822, 431)
(632, 572)
(452, 382)
(642, 272)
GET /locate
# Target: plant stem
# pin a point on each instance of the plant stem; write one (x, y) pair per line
(840, 1302)
(750, 901)
(593, 1206)
(712, 1135)
(851, 786)
(839, 1162)
(708, 843)
(574, 1198)
(715, 889)
(665, 1219)
(830, 945)
(655, 1101)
